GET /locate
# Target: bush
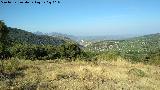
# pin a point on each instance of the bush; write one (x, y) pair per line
(41, 52)
(111, 55)
(137, 72)
(11, 66)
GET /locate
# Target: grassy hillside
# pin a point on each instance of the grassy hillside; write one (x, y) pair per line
(80, 75)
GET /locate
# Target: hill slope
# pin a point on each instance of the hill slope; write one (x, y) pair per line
(144, 42)
(26, 45)
(145, 48)
(18, 35)
(80, 75)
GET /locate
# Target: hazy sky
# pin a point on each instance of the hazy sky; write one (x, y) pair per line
(85, 17)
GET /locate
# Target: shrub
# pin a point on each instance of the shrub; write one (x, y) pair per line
(137, 72)
(111, 55)
(11, 66)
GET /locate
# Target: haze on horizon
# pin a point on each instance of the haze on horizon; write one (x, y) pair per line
(85, 17)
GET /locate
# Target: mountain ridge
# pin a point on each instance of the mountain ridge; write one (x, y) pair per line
(19, 35)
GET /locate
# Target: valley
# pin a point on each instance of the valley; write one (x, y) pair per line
(32, 61)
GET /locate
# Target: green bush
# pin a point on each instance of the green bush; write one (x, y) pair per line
(110, 55)
(30, 51)
(137, 72)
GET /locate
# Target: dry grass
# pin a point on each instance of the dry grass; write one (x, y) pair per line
(81, 75)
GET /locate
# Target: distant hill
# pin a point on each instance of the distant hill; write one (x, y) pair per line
(38, 33)
(22, 36)
(140, 44)
(87, 38)
(105, 37)
(139, 49)
(144, 43)
(56, 34)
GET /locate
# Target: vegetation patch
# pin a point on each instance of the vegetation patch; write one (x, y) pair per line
(137, 72)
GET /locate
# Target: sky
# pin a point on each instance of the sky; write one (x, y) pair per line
(84, 17)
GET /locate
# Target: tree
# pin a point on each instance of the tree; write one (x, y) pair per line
(3, 41)
(3, 35)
